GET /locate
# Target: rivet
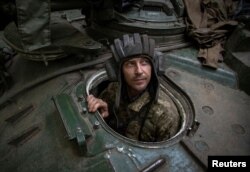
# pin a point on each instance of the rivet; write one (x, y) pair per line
(208, 86)
(173, 74)
(237, 128)
(96, 124)
(208, 110)
(201, 146)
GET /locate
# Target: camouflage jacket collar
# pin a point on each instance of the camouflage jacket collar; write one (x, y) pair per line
(137, 104)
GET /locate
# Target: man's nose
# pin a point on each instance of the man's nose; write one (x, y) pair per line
(138, 69)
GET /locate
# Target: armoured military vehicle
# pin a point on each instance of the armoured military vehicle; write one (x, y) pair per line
(54, 54)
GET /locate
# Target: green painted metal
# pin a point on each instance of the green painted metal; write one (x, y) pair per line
(77, 128)
(186, 59)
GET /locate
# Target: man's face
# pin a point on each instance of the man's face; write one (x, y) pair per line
(137, 74)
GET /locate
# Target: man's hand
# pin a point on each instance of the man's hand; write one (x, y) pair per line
(95, 104)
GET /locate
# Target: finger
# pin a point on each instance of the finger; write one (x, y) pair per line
(91, 103)
(95, 104)
(104, 110)
(105, 114)
(89, 97)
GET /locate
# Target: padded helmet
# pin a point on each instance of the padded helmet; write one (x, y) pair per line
(127, 48)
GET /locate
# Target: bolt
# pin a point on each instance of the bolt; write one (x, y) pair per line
(84, 109)
(96, 125)
(80, 98)
(78, 130)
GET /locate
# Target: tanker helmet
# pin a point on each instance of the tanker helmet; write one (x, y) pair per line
(128, 47)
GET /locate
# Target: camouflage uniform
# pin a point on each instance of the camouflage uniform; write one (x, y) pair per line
(162, 120)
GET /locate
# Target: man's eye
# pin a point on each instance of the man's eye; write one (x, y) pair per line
(144, 62)
(129, 64)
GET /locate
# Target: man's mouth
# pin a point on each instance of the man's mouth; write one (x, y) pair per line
(139, 80)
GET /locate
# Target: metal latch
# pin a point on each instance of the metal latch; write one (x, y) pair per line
(76, 126)
(192, 130)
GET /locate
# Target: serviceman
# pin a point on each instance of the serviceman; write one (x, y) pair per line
(135, 106)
